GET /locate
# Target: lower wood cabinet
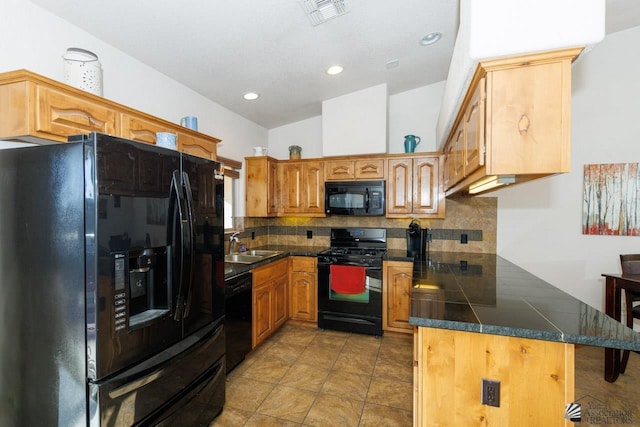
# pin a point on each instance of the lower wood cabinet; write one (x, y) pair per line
(270, 299)
(396, 296)
(303, 297)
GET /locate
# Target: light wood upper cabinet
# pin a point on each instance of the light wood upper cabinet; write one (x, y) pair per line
(302, 186)
(261, 186)
(514, 121)
(40, 110)
(361, 169)
(197, 146)
(414, 187)
(35, 112)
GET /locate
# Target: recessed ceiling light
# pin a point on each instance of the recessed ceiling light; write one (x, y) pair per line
(430, 38)
(251, 96)
(335, 69)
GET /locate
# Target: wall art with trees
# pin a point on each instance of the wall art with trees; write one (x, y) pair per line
(610, 199)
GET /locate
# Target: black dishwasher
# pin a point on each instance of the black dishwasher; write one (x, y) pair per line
(238, 318)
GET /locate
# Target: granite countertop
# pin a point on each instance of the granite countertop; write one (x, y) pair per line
(488, 294)
(234, 269)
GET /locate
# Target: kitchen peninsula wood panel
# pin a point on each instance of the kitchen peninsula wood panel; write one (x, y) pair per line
(450, 365)
(43, 111)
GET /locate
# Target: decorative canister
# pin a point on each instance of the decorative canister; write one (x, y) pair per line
(294, 151)
(83, 70)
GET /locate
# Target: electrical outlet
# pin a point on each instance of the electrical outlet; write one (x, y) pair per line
(490, 392)
(464, 238)
(309, 234)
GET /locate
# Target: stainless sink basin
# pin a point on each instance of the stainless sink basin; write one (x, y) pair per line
(262, 253)
(249, 257)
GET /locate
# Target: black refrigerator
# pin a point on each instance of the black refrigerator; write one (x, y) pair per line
(111, 285)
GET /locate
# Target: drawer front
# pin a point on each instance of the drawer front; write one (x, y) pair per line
(339, 170)
(196, 146)
(270, 271)
(140, 129)
(62, 114)
(370, 169)
(304, 264)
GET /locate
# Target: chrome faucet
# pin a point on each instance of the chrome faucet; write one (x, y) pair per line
(233, 239)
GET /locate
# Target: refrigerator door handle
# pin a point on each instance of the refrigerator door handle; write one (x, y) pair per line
(189, 198)
(176, 186)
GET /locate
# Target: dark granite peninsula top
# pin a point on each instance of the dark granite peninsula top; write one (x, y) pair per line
(488, 294)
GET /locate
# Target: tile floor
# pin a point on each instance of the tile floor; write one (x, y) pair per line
(303, 376)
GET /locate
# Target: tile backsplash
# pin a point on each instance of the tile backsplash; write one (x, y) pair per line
(475, 217)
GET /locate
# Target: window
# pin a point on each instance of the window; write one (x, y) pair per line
(231, 182)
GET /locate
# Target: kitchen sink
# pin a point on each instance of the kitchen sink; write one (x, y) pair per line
(242, 259)
(249, 257)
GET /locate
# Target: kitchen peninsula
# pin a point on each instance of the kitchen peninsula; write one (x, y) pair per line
(480, 317)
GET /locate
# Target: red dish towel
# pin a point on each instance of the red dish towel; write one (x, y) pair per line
(347, 279)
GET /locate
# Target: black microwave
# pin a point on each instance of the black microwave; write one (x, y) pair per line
(354, 198)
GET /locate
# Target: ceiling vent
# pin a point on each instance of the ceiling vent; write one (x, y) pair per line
(320, 11)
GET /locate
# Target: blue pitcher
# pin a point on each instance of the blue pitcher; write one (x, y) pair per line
(410, 143)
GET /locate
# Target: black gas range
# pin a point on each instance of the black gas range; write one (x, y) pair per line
(350, 280)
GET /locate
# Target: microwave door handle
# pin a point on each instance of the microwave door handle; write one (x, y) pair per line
(366, 200)
(190, 248)
(176, 186)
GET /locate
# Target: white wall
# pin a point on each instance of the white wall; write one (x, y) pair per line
(539, 223)
(306, 133)
(34, 39)
(412, 112)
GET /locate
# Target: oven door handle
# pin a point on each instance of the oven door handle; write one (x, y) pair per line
(355, 264)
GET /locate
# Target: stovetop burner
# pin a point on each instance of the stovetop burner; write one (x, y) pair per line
(357, 242)
(375, 252)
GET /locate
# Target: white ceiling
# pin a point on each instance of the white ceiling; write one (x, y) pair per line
(222, 49)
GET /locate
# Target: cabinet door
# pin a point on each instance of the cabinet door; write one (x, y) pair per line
(304, 291)
(528, 110)
(457, 155)
(292, 188)
(474, 128)
(63, 114)
(196, 146)
(399, 186)
(339, 170)
(425, 185)
(261, 187)
(369, 169)
(272, 188)
(141, 129)
(280, 301)
(262, 312)
(397, 289)
(303, 188)
(313, 187)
